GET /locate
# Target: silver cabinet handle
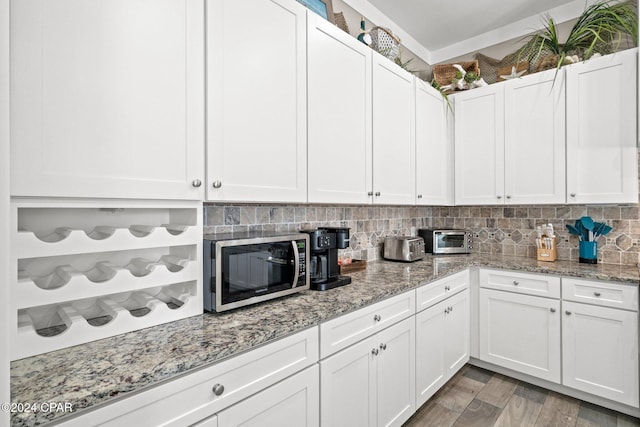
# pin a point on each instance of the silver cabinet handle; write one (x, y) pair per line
(516, 283)
(370, 193)
(596, 294)
(218, 389)
(217, 184)
(450, 309)
(196, 183)
(377, 194)
(377, 318)
(553, 310)
(419, 196)
(383, 346)
(374, 351)
(567, 312)
(572, 194)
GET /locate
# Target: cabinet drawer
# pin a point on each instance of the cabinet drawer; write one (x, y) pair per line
(339, 333)
(436, 291)
(529, 284)
(191, 398)
(605, 294)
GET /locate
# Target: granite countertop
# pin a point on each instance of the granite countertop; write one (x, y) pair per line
(101, 371)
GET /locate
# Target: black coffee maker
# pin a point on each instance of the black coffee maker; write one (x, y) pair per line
(324, 270)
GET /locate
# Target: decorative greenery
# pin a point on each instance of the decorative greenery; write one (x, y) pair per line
(600, 29)
(436, 86)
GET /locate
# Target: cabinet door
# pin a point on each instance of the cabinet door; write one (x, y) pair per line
(339, 115)
(394, 175)
(256, 98)
(107, 98)
(348, 394)
(456, 344)
(534, 126)
(430, 342)
(521, 332)
(602, 162)
(396, 381)
(434, 150)
(294, 402)
(479, 146)
(600, 351)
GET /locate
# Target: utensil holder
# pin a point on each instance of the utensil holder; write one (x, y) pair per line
(545, 254)
(588, 252)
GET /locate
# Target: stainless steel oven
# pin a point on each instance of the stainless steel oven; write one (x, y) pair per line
(446, 241)
(243, 269)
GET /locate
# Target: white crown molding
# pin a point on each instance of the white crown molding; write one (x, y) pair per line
(508, 32)
(374, 15)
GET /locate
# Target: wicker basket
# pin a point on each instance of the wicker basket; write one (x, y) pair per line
(506, 70)
(444, 73)
(385, 43)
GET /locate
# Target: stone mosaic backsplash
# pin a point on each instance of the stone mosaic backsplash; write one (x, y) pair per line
(369, 224)
(508, 230)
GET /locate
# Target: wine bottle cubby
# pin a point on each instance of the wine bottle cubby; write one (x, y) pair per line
(86, 270)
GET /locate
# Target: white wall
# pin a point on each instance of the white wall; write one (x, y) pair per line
(4, 207)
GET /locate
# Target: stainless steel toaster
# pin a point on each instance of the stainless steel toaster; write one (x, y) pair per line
(403, 248)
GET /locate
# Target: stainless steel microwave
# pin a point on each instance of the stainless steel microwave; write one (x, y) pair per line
(243, 269)
(446, 241)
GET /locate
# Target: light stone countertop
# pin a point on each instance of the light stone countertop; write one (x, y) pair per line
(101, 371)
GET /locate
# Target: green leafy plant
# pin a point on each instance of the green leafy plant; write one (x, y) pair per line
(436, 86)
(600, 28)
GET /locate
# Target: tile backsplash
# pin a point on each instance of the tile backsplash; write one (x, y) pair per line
(508, 230)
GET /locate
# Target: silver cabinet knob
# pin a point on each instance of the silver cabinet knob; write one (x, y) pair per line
(508, 197)
(499, 197)
(374, 351)
(572, 194)
(218, 389)
(377, 194)
(377, 318)
(217, 184)
(553, 310)
(370, 193)
(446, 310)
(447, 288)
(567, 312)
(419, 196)
(596, 294)
(516, 283)
(196, 183)
(450, 309)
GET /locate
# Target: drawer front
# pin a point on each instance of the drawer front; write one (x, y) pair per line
(191, 398)
(340, 333)
(605, 294)
(523, 283)
(436, 291)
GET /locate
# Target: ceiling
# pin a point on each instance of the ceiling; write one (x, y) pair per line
(436, 30)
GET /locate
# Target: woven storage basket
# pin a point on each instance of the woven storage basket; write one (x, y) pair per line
(385, 43)
(444, 73)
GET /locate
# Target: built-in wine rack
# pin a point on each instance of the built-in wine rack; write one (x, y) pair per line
(87, 270)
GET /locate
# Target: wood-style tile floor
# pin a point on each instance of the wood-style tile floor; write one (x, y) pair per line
(477, 397)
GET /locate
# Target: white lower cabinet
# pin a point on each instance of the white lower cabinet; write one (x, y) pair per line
(442, 344)
(371, 383)
(292, 403)
(520, 332)
(600, 351)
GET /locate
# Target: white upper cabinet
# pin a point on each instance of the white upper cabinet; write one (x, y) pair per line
(339, 115)
(479, 146)
(256, 101)
(434, 148)
(107, 98)
(601, 130)
(394, 179)
(534, 125)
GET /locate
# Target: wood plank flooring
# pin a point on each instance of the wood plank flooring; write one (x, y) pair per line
(477, 397)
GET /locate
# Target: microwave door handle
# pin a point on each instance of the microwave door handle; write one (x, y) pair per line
(296, 263)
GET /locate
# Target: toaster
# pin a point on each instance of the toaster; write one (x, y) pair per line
(403, 248)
